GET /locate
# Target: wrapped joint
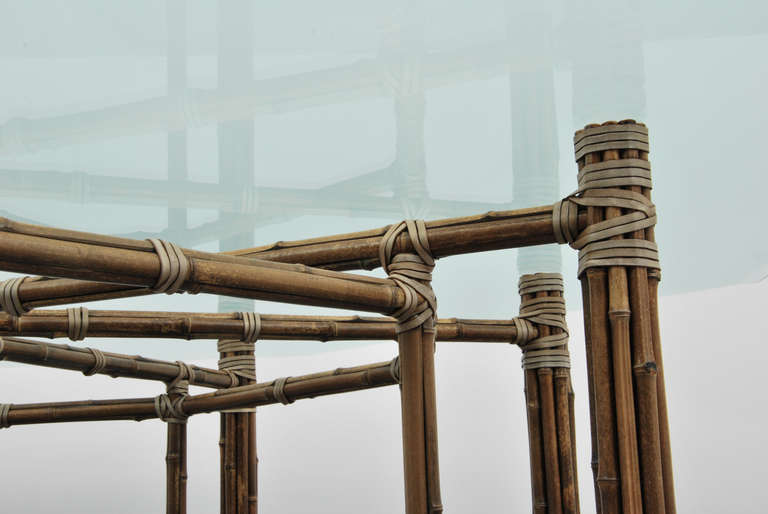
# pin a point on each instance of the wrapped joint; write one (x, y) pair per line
(99, 362)
(394, 369)
(549, 351)
(600, 185)
(5, 408)
(412, 272)
(9, 296)
(242, 365)
(174, 267)
(278, 390)
(77, 323)
(169, 406)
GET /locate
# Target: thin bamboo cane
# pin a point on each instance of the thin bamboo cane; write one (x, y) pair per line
(325, 383)
(563, 396)
(410, 345)
(607, 472)
(535, 444)
(176, 469)
(591, 391)
(241, 420)
(116, 365)
(189, 325)
(645, 372)
(566, 443)
(253, 466)
(490, 231)
(666, 449)
(230, 463)
(222, 464)
(549, 431)
(68, 254)
(435, 502)
(574, 457)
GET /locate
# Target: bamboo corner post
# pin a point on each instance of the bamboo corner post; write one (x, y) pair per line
(619, 270)
(412, 272)
(548, 394)
(169, 409)
(237, 442)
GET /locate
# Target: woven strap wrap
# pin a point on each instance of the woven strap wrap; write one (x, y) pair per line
(5, 408)
(77, 323)
(545, 351)
(412, 272)
(9, 296)
(244, 366)
(599, 186)
(169, 406)
(174, 267)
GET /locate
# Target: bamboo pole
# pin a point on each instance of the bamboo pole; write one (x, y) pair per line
(325, 383)
(454, 236)
(414, 444)
(176, 469)
(190, 325)
(115, 364)
(622, 359)
(549, 396)
(666, 449)
(31, 249)
(239, 473)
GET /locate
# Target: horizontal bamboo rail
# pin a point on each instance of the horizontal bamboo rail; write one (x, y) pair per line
(344, 252)
(116, 365)
(325, 383)
(191, 325)
(31, 249)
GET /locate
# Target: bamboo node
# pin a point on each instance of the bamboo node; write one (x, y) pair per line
(9, 296)
(174, 266)
(412, 272)
(5, 408)
(170, 410)
(77, 323)
(547, 351)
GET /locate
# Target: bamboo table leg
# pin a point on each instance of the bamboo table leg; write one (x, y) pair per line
(549, 396)
(618, 264)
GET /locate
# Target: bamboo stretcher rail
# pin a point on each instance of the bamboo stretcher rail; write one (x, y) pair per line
(344, 252)
(191, 325)
(325, 383)
(32, 249)
(85, 360)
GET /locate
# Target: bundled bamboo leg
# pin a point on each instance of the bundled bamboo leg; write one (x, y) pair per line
(412, 272)
(239, 484)
(549, 395)
(617, 256)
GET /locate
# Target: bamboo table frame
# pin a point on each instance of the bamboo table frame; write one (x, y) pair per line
(609, 220)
